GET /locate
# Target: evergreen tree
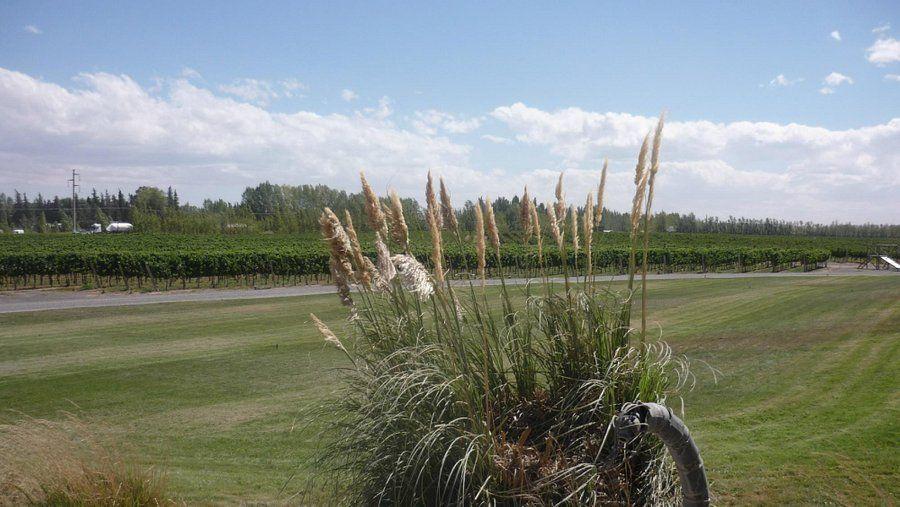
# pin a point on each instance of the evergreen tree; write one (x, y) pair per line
(41, 225)
(101, 218)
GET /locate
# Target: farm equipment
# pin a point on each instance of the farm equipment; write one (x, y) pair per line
(882, 256)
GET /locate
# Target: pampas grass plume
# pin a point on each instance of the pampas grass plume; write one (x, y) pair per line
(449, 215)
(437, 251)
(535, 220)
(374, 214)
(413, 275)
(362, 272)
(431, 201)
(601, 189)
(479, 240)
(525, 217)
(640, 184)
(399, 231)
(329, 336)
(491, 224)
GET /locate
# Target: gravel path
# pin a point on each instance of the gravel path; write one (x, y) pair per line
(55, 299)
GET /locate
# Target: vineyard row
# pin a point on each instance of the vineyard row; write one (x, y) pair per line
(302, 266)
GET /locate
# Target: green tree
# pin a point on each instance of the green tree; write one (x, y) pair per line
(146, 221)
(150, 199)
(65, 220)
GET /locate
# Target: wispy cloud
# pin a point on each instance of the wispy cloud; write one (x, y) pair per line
(261, 92)
(881, 29)
(292, 88)
(780, 81)
(433, 121)
(32, 29)
(497, 139)
(349, 95)
(383, 111)
(883, 51)
(892, 77)
(836, 35)
(189, 73)
(252, 90)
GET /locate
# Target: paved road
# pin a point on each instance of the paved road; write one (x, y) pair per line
(51, 299)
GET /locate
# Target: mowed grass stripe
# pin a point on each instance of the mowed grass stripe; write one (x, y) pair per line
(807, 366)
(805, 410)
(81, 329)
(832, 388)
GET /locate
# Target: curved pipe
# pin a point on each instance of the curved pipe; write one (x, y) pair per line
(665, 425)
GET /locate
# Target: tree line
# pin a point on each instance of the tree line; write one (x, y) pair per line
(269, 207)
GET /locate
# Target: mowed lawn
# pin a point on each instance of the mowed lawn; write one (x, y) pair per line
(804, 409)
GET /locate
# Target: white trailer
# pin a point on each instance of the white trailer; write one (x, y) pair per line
(119, 227)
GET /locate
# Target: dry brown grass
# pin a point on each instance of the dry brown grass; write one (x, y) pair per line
(67, 462)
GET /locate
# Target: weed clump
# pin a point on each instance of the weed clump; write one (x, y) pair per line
(66, 462)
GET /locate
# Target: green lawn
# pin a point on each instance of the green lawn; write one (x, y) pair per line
(805, 409)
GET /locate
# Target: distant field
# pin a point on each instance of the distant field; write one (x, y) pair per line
(805, 409)
(165, 260)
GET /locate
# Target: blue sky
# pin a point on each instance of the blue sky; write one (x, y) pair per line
(490, 94)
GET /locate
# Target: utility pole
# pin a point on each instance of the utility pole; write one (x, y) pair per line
(74, 181)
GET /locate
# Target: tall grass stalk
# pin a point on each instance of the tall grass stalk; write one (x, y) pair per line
(432, 203)
(640, 186)
(536, 220)
(654, 168)
(458, 394)
(588, 231)
(480, 246)
(374, 212)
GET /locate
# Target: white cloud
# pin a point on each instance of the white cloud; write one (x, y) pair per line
(740, 168)
(433, 121)
(32, 29)
(189, 73)
(884, 51)
(836, 35)
(348, 95)
(257, 91)
(122, 135)
(497, 139)
(878, 30)
(781, 80)
(892, 77)
(836, 79)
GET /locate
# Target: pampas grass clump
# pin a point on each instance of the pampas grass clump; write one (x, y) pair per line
(461, 395)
